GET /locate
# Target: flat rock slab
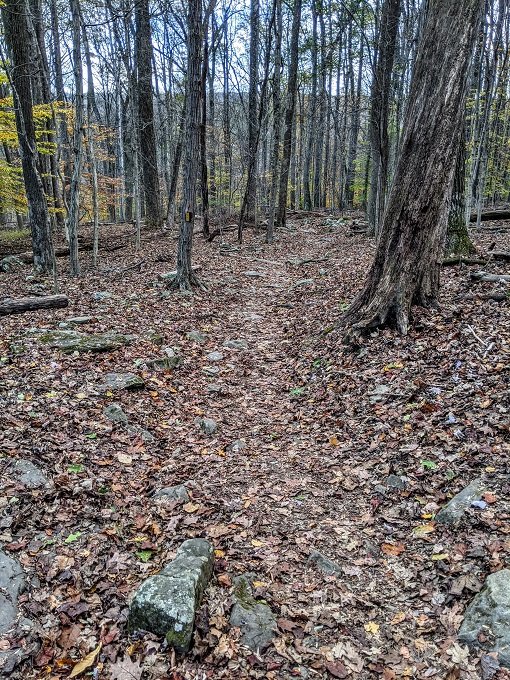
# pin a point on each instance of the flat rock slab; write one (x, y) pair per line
(26, 473)
(166, 604)
(489, 613)
(79, 320)
(321, 562)
(236, 344)
(255, 619)
(122, 381)
(214, 356)
(69, 341)
(254, 274)
(454, 510)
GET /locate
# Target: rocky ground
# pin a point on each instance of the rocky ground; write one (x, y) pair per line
(316, 472)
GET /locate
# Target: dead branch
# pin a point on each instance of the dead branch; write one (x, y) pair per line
(22, 305)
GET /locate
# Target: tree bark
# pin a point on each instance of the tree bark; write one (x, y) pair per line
(407, 261)
(15, 16)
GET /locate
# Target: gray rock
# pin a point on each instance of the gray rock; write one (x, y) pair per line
(122, 381)
(26, 473)
(12, 584)
(166, 604)
(9, 262)
(73, 341)
(168, 362)
(236, 344)
(79, 320)
(174, 493)
(235, 447)
(379, 393)
(115, 414)
(303, 282)
(254, 274)
(215, 389)
(207, 425)
(214, 356)
(489, 613)
(101, 296)
(147, 437)
(196, 336)
(454, 510)
(324, 564)
(255, 619)
(211, 370)
(396, 482)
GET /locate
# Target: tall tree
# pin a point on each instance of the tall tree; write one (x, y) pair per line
(146, 133)
(15, 15)
(185, 278)
(380, 109)
(407, 262)
(253, 131)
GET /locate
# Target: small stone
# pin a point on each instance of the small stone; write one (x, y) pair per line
(236, 344)
(168, 362)
(255, 619)
(211, 370)
(26, 473)
(235, 447)
(324, 564)
(302, 282)
(80, 320)
(454, 510)
(115, 414)
(177, 493)
(122, 381)
(207, 425)
(254, 274)
(396, 482)
(214, 356)
(214, 389)
(380, 489)
(166, 604)
(196, 336)
(489, 614)
(97, 297)
(379, 393)
(146, 436)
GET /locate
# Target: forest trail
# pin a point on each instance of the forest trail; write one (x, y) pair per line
(347, 454)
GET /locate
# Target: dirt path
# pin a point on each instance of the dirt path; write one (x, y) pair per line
(321, 447)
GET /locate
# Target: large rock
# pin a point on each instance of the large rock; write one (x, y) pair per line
(177, 493)
(122, 381)
(73, 341)
(196, 336)
(170, 361)
(166, 604)
(254, 618)
(26, 473)
(324, 564)
(115, 414)
(454, 510)
(489, 614)
(12, 584)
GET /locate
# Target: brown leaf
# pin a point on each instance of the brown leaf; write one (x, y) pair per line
(224, 580)
(391, 549)
(86, 662)
(337, 669)
(126, 670)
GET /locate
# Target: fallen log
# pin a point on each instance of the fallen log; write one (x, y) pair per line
(460, 259)
(500, 255)
(28, 256)
(498, 297)
(494, 278)
(21, 305)
(491, 215)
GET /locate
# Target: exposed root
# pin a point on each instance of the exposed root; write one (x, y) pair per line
(186, 282)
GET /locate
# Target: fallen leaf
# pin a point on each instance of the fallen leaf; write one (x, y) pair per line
(398, 618)
(424, 529)
(86, 662)
(126, 670)
(124, 459)
(391, 549)
(190, 507)
(334, 441)
(337, 669)
(371, 627)
(257, 544)
(224, 580)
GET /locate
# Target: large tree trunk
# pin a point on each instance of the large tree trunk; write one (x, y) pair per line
(14, 17)
(253, 128)
(289, 115)
(146, 134)
(379, 111)
(457, 235)
(185, 277)
(407, 262)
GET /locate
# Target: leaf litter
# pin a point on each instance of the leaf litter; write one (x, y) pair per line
(347, 454)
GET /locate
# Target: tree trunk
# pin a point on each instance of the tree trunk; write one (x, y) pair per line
(146, 134)
(253, 131)
(14, 18)
(289, 115)
(277, 126)
(379, 111)
(407, 262)
(457, 236)
(185, 278)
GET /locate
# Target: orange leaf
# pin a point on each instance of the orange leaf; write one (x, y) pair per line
(333, 441)
(85, 663)
(391, 549)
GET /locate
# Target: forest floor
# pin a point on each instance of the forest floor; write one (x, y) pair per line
(324, 428)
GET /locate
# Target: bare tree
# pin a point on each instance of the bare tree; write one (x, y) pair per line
(407, 262)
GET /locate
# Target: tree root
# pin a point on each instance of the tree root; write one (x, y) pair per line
(185, 282)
